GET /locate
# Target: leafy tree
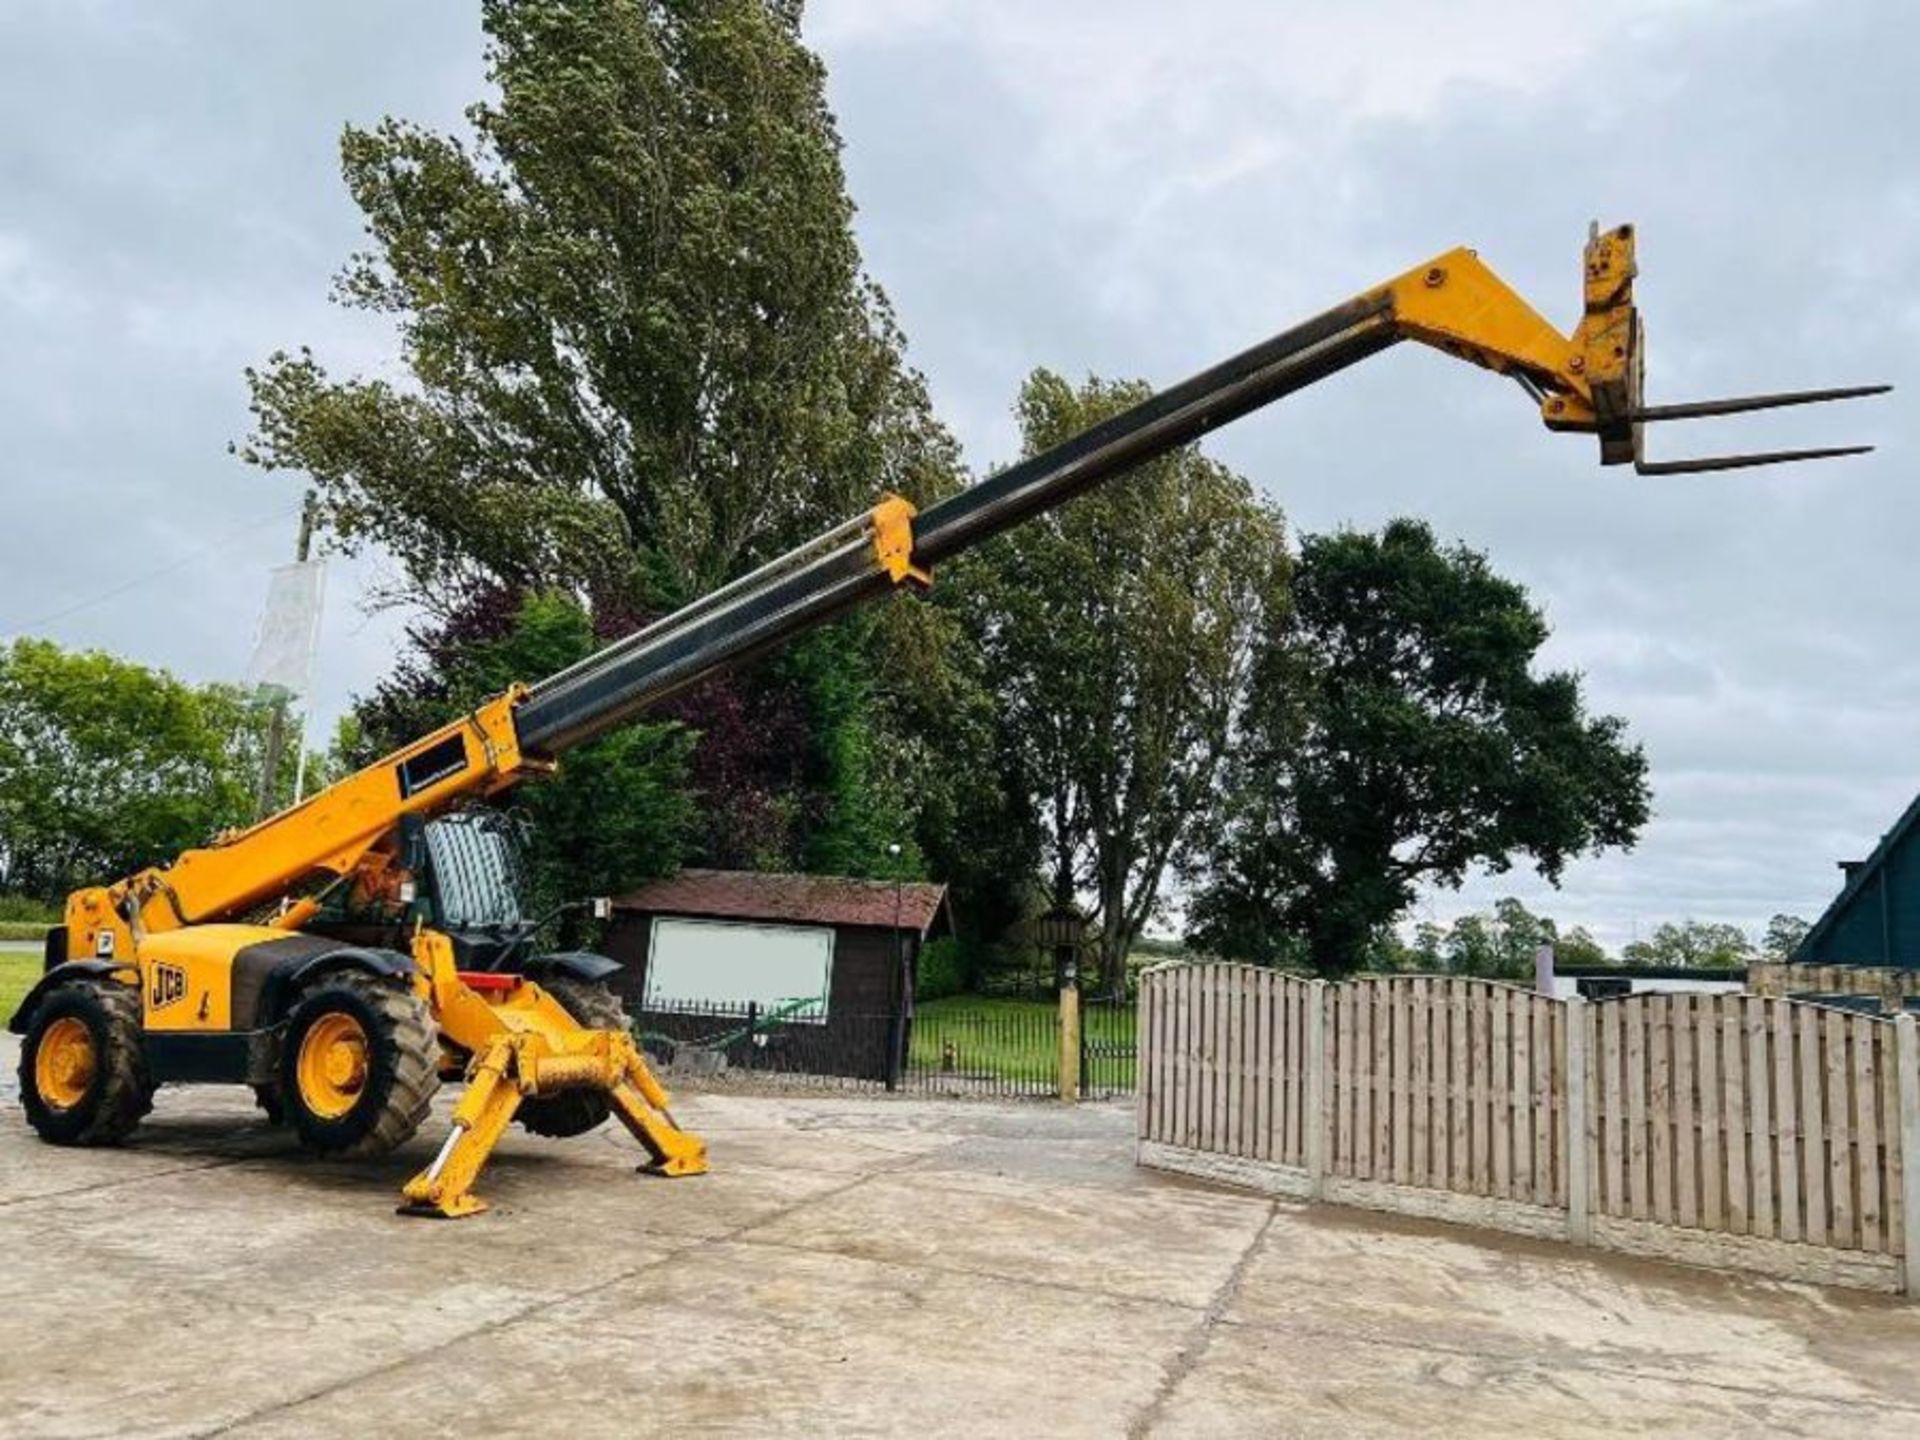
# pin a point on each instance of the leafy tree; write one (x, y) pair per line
(1397, 737)
(945, 752)
(1500, 945)
(642, 357)
(1578, 947)
(1116, 634)
(1691, 944)
(642, 353)
(107, 766)
(1783, 936)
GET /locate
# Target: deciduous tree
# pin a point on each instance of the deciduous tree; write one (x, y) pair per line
(641, 350)
(641, 356)
(1117, 633)
(1397, 737)
(1690, 944)
(1783, 937)
(107, 766)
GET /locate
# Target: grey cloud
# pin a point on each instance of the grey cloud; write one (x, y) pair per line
(171, 211)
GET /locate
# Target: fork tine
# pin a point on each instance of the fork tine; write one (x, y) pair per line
(1741, 404)
(1707, 463)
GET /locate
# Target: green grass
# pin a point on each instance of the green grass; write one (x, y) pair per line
(18, 971)
(23, 930)
(1014, 1039)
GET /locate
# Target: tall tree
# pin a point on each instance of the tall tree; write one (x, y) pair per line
(642, 352)
(1397, 737)
(1117, 633)
(642, 357)
(1783, 937)
(107, 766)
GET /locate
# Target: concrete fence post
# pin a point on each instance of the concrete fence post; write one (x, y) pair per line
(1906, 1053)
(1316, 1117)
(1579, 1156)
(1543, 959)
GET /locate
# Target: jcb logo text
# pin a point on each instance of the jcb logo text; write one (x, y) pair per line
(169, 985)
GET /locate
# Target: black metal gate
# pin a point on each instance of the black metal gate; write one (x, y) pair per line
(968, 1045)
(1107, 1049)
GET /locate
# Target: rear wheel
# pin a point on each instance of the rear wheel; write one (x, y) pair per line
(83, 1068)
(358, 1065)
(574, 1112)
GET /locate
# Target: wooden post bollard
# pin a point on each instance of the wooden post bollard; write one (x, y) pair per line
(1069, 1043)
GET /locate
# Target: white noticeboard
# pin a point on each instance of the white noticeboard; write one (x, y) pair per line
(696, 963)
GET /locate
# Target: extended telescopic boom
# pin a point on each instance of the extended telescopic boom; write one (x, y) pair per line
(1587, 382)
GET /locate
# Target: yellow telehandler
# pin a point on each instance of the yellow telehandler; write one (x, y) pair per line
(347, 955)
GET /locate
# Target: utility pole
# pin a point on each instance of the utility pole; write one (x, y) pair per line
(277, 724)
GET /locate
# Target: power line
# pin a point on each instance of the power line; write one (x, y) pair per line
(148, 577)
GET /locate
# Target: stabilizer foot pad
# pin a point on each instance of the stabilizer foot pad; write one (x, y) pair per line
(458, 1210)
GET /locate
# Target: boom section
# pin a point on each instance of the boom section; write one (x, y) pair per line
(328, 835)
(863, 559)
(1588, 381)
(1453, 302)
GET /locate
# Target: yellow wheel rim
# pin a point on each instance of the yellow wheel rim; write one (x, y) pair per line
(63, 1066)
(333, 1065)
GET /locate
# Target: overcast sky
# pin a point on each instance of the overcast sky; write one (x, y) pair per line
(1131, 189)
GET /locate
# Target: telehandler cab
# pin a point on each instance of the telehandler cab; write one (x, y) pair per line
(347, 955)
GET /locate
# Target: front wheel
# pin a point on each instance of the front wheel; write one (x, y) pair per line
(83, 1068)
(575, 1112)
(358, 1068)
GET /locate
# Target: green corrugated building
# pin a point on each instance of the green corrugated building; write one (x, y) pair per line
(1876, 918)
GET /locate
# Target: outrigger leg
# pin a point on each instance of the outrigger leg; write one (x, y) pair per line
(518, 1065)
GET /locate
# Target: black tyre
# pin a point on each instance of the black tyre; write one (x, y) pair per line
(358, 1066)
(575, 1112)
(83, 1068)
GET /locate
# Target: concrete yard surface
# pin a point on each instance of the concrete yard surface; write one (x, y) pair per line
(854, 1266)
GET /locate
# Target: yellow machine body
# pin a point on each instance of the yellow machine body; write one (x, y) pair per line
(186, 975)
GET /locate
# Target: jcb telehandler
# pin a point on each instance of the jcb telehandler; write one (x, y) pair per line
(346, 956)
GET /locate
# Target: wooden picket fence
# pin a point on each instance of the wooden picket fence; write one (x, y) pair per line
(1735, 1130)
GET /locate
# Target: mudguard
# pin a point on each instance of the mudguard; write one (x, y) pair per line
(575, 964)
(68, 970)
(274, 972)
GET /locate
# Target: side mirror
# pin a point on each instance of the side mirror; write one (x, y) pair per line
(602, 907)
(413, 852)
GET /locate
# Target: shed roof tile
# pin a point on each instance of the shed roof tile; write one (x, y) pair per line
(807, 899)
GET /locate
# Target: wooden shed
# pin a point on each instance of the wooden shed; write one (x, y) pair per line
(829, 958)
